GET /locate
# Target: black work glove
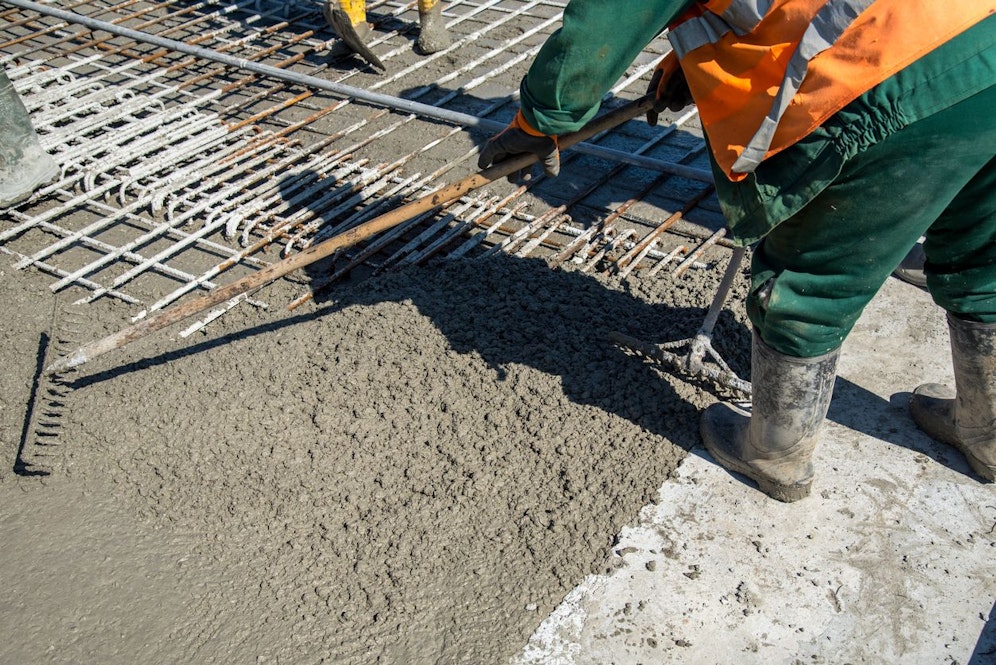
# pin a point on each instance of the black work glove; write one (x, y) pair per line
(669, 87)
(519, 138)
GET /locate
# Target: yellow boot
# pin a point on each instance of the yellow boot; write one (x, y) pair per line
(348, 19)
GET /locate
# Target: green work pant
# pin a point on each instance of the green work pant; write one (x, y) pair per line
(813, 274)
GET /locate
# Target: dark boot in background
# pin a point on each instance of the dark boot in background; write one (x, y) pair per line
(966, 416)
(911, 268)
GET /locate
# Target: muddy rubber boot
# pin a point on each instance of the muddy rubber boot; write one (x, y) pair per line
(24, 165)
(774, 444)
(965, 417)
(432, 36)
(348, 19)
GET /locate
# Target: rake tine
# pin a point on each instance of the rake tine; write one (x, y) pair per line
(693, 363)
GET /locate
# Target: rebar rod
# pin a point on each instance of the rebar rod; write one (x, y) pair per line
(452, 94)
(59, 272)
(263, 277)
(170, 231)
(400, 257)
(607, 227)
(640, 248)
(239, 256)
(231, 198)
(78, 200)
(699, 251)
(141, 240)
(93, 243)
(377, 99)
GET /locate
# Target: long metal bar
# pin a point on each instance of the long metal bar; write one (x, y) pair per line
(315, 253)
(377, 99)
(452, 94)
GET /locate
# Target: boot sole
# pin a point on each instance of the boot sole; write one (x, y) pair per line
(774, 489)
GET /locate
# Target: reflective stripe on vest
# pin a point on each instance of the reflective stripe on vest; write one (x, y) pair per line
(765, 73)
(737, 17)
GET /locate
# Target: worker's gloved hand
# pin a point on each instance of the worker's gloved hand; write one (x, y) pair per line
(518, 138)
(669, 87)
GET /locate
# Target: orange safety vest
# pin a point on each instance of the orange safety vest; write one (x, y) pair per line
(766, 73)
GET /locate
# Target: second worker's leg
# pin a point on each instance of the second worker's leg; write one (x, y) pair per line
(432, 36)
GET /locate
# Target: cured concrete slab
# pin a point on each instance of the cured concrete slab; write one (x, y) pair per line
(891, 560)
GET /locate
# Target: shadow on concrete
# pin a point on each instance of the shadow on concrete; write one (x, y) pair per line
(511, 311)
(518, 311)
(24, 462)
(889, 420)
(984, 652)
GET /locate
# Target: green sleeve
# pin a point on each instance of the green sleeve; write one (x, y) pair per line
(583, 59)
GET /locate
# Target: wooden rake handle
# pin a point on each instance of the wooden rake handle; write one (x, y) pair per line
(348, 238)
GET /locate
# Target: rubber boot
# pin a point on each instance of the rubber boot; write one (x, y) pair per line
(965, 417)
(911, 268)
(24, 165)
(774, 444)
(432, 36)
(348, 19)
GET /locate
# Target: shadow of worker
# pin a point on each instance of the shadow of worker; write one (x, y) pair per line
(985, 646)
(516, 311)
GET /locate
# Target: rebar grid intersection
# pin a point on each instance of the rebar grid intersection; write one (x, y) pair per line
(202, 159)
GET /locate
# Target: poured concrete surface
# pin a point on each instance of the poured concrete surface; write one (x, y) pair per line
(234, 499)
(423, 470)
(891, 560)
(413, 473)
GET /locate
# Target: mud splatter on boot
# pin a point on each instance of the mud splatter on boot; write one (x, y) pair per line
(432, 36)
(773, 445)
(966, 416)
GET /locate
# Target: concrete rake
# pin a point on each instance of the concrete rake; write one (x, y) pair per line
(700, 350)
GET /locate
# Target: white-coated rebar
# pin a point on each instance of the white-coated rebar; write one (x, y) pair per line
(197, 188)
(397, 103)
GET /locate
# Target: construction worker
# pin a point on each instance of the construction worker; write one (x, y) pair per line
(840, 132)
(348, 19)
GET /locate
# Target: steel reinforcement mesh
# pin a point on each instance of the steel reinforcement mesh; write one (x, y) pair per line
(181, 171)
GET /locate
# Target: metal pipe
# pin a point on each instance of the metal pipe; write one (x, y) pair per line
(341, 89)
